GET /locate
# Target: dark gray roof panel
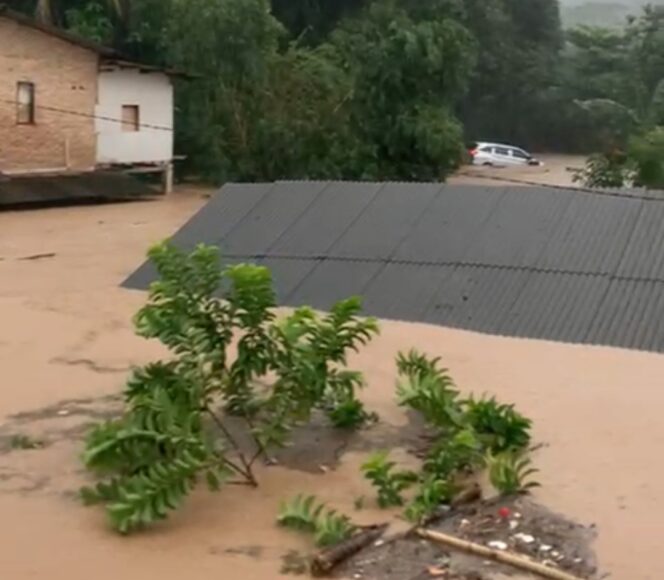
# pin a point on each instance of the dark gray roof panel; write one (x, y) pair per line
(521, 261)
(517, 231)
(270, 218)
(592, 235)
(287, 274)
(476, 298)
(333, 280)
(383, 225)
(557, 306)
(450, 224)
(643, 258)
(221, 214)
(403, 291)
(315, 231)
(142, 277)
(630, 315)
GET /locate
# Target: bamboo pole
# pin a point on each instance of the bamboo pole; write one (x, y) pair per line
(514, 560)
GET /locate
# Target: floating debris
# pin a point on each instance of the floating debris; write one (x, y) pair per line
(436, 572)
(504, 512)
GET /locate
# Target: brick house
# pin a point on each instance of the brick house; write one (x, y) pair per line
(70, 106)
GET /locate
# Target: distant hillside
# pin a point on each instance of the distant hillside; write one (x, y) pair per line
(610, 13)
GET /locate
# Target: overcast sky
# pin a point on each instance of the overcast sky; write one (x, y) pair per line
(625, 2)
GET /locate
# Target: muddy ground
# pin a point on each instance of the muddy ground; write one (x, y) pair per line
(66, 346)
(530, 530)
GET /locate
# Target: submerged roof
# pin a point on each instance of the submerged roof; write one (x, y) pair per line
(94, 185)
(535, 262)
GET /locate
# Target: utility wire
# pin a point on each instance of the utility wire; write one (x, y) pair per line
(90, 116)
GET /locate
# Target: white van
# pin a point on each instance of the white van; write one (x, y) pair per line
(500, 155)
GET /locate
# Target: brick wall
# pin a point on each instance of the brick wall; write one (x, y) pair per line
(65, 77)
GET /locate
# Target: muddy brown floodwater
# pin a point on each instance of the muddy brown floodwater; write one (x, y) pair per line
(66, 344)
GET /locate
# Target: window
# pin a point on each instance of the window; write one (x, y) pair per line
(502, 151)
(130, 118)
(519, 154)
(25, 104)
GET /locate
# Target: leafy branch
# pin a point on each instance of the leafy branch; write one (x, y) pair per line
(467, 435)
(304, 514)
(173, 431)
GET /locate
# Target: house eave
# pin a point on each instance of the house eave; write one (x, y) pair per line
(108, 56)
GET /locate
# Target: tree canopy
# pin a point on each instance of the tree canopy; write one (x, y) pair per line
(382, 89)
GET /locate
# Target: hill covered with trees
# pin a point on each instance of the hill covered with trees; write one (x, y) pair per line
(380, 89)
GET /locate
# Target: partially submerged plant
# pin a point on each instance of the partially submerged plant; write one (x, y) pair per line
(509, 473)
(466, 435)
(500, 427)
(428, 389)
(300, 513)
(605, 170)
(172, 433)
(305, 514)
(431, 494)
(26, 442)
(390, 483)
(332, 529)
(452, 455)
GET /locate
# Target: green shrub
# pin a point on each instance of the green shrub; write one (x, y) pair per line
(509, 473)
(647, 153)
(466, 436)
(389, 483)
(431, 494)
(306, 515)
(425, 387)
(605, 171)
(499, 427)
(171, 432)
(451, 455)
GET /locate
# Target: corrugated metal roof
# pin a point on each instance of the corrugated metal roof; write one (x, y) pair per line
(536, 262)
(95, 185)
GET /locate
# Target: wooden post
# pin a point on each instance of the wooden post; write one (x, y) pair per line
(167, 179)
(515, 560)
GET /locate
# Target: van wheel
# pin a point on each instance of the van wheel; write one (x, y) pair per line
(487, 164)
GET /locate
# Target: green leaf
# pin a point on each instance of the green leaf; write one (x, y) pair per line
(509, 473)
(389, 482)
(305, 514)
(431, 494)
(428, 389)
(500, 427)
(300, 513)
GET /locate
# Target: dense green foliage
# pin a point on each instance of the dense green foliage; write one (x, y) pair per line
(500, 427)
(466, 435)
(173, 431)
(641, 165)
(381, 89)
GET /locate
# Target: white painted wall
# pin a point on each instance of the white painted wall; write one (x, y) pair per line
(153, 93)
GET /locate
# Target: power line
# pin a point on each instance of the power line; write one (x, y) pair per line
(91, 116)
